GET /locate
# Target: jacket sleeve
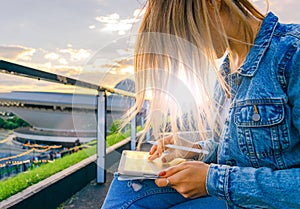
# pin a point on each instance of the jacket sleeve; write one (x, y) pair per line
(247, 187)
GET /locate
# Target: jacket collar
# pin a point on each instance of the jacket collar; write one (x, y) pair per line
(257, 51)
(261, 44)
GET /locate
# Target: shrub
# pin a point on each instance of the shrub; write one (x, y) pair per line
(115, 126)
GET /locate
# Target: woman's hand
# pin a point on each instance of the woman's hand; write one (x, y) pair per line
(188, 178)
(157, 149)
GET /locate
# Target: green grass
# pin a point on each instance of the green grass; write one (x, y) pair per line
(13, 185)
(117, 137)
(21, 181)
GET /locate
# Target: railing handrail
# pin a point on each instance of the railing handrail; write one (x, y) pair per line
(24, 71)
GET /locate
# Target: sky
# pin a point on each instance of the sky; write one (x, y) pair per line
(89, 40)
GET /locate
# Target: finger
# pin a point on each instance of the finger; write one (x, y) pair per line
(172, 170)
(163, 182)
(156, 151)
(170, 177)
(160, 147)
(154, 156)
(153, 149)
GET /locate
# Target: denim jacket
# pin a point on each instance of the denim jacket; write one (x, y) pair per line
(258, 152)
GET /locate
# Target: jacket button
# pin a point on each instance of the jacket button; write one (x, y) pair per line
(255, 117)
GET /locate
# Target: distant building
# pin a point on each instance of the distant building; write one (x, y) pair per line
(61, 118)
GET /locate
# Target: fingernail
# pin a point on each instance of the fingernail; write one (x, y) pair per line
(163, 173)
(164, 160)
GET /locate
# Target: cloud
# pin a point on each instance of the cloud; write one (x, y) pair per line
(49, 61)
(67, 56)
(92, 27)
(63, 61)
(69, 71)
(114, 23)
(16, 52)
(52, 56)
(67, 62)
(139, 12)
(77, 55)
(120, 67)
(107, 72)
(106, 79)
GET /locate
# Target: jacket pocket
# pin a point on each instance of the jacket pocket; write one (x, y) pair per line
(262, 131)
(259, 115)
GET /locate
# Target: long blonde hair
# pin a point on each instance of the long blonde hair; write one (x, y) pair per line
(174, 56)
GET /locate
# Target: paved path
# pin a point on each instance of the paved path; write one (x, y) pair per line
(93, 195)
(90, 197)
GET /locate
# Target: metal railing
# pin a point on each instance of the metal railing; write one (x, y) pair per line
(23, 71)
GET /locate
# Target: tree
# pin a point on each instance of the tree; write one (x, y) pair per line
(12, 123)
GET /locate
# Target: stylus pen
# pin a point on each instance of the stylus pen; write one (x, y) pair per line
(188, 149)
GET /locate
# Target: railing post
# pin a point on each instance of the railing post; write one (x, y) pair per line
(101, 136)
(133, 131)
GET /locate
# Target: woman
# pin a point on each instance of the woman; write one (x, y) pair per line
(254, 150)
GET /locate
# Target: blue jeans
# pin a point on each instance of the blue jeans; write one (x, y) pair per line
(145, 194)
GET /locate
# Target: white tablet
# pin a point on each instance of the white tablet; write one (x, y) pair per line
(136, 163)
